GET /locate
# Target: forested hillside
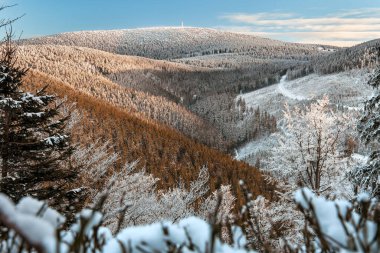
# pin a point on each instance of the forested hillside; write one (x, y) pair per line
(364, 55)
(210, 67)
(87, 70)
(165, 153)
(178, 42)
(175, 94)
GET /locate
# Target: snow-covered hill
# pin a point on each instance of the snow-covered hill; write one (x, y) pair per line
(176, 42)
(346, 89)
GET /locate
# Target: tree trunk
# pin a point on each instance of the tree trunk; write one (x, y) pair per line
(4, 151)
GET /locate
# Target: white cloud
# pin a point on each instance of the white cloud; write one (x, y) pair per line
(343, 28)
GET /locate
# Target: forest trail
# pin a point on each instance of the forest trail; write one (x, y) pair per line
(287, 93)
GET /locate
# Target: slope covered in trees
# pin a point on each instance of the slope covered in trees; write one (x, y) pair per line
(211, 65)
(86, 70)
(364, 55)
(359, 56)
(177, 42)
(160, 90)
(164, 152)
(175, 81)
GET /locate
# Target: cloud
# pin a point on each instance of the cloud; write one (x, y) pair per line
(344, 28)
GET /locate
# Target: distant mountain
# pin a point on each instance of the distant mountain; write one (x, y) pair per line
(178, 42)
(363, 55)
(366, 54)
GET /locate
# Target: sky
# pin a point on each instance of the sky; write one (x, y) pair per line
(333, 22)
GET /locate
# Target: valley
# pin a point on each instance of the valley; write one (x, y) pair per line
(188, 94)
(231, 100)
(253, 136)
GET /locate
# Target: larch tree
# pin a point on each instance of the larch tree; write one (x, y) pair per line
(34, 145)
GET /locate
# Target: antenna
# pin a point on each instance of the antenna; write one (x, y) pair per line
(182, 24)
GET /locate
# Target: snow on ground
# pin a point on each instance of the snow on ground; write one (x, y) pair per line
(254, 149)
(348, 89)
(288, 93)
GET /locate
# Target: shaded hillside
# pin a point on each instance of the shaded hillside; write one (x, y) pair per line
(366, 54)
(236, 61)
(165, 153)
(120, 79)
(209, 93)
(86, 70)
(363, 55)
(176, 42)
(191, 86)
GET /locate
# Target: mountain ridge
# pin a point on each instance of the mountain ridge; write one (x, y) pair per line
(182, 41)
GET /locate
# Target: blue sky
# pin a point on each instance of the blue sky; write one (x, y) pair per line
(338, 22)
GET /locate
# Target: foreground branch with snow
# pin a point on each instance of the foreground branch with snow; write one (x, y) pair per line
(330, 226)
(31, 224)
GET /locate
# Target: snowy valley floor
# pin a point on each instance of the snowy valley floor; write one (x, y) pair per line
(347, 89)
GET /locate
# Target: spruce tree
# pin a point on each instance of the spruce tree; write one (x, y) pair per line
(367, 177)
(34, 146)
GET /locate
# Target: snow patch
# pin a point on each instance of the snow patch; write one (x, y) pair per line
(288, 93)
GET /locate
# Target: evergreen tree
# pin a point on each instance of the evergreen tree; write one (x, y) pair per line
(34, 146)
(367, 177)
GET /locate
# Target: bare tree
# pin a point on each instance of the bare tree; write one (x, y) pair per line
(310, 148)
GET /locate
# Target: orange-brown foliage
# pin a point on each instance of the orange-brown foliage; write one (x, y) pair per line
(164, 152)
